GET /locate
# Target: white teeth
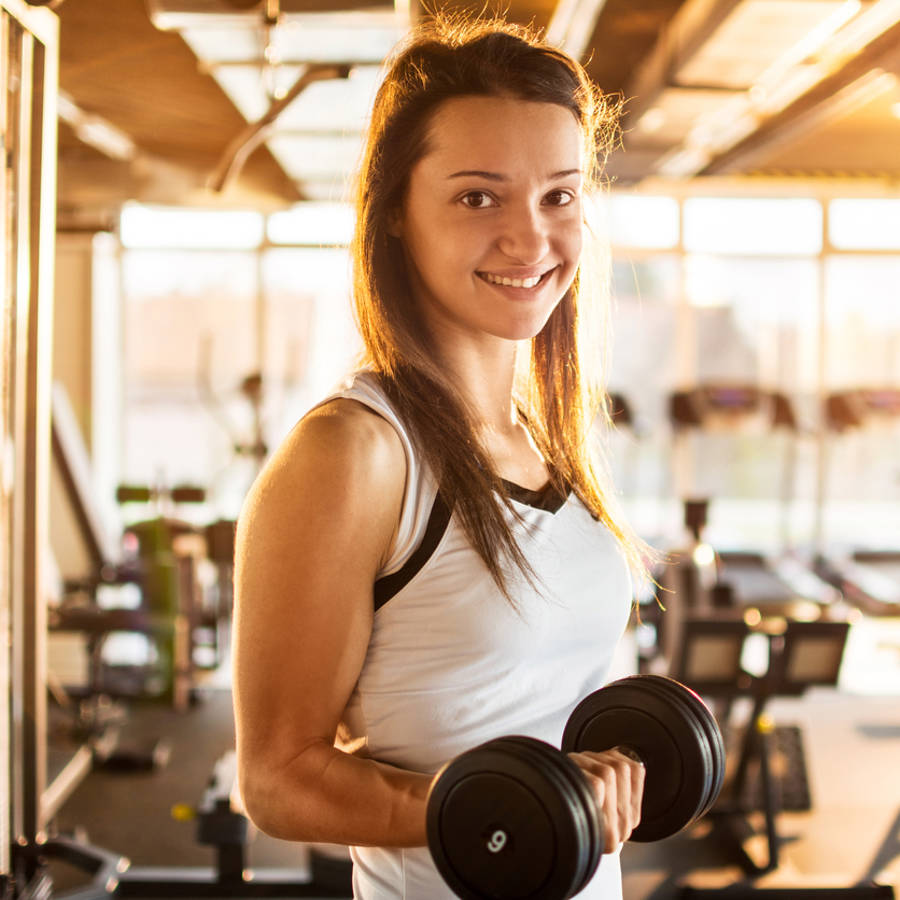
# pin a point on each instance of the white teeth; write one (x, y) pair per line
(512, 282)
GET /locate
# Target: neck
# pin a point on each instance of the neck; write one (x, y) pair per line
(485, 375)
(486, 380)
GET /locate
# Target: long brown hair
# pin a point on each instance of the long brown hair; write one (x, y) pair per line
(561, 394)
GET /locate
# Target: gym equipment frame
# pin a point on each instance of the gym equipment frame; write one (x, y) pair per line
(868, 578)
(803, 655)
(29, 42)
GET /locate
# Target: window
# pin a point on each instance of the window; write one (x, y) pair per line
(200, 324)
(751, 225)
(857, 224)
(640, 221)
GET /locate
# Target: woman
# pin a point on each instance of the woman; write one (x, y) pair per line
(429, 560)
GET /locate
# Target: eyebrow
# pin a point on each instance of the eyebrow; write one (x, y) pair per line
(496, 176)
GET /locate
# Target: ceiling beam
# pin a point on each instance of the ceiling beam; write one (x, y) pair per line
(210, 7)
(243, 144)
(691, 27)
(825, 99)
(174, 15)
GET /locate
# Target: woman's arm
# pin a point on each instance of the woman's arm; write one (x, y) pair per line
(313, 533)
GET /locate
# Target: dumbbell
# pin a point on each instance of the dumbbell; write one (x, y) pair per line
(516, 818)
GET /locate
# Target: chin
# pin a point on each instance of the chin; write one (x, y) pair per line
(523, 332)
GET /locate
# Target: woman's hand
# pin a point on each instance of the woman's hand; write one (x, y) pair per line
(617, 780)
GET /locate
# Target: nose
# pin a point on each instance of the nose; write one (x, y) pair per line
(524, 236)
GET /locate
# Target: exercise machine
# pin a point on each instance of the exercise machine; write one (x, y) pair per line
(868, 578)
(85, 708)
(772, 585)
(105, 591)
(801, 655)
(222, 825)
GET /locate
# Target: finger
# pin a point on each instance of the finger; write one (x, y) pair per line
(638, 780)
(636, 773)
(604, 789)
(613, 778)
(630, 776)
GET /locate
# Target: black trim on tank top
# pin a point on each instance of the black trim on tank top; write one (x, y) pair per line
(390, 585)
(548, 498)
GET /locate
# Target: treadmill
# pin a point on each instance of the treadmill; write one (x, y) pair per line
(868, 578)
(772, 585)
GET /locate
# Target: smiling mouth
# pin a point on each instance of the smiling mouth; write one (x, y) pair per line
(506, 281)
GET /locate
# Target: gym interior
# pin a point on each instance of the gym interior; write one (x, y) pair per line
(176, 296)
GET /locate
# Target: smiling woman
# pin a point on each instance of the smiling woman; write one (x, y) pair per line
(432, 557)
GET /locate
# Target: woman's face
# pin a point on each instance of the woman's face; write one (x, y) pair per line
(492, 218)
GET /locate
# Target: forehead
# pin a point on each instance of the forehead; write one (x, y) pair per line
(503, 134)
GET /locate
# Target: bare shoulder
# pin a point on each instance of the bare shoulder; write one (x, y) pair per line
(341, 462)
(348, 426)
(343, 438)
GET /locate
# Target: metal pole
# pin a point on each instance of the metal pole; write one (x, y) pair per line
(822, 391)
(7, 461)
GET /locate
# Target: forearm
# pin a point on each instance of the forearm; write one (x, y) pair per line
(325, 795)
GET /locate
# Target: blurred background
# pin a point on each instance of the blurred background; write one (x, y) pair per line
(176, 297)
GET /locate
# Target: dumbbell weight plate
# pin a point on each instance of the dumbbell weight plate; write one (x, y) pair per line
(685, 703)
(587, 817)
(502, 823)
(679, 698)
(664, 733)
(710, 727)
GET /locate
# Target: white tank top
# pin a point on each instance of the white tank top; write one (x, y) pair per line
(451, 664)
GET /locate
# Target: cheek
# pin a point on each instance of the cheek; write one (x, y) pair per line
(444, 252)
(416, 246)
(426, 230)
(571, 242)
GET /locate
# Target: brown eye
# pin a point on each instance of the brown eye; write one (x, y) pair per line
(478, 200)
(560, 198)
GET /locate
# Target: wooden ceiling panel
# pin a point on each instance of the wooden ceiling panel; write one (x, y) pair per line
(159, 98)
(533, 13)
(149, 85)
(625, 33)
(865, 143)
(146, 83)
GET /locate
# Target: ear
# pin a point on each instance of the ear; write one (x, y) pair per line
(395, 223)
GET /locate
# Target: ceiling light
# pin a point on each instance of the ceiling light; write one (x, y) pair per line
(758, 95)
(652, 120)
(572, 24)
(95, 131)
(683, 162)
(820, 34)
